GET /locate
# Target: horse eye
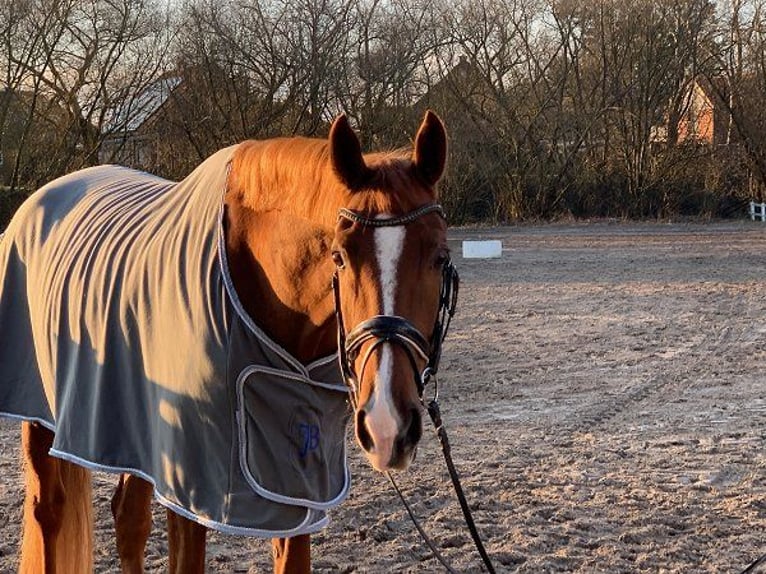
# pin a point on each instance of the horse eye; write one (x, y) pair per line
(338, 259)
(441, 259)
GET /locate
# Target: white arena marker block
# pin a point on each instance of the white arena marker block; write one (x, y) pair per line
(482, 249)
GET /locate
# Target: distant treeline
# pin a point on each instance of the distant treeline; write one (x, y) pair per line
(555, 108)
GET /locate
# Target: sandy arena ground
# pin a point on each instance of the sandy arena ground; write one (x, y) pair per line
(604, 389)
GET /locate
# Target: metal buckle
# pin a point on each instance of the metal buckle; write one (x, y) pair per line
(425, 377)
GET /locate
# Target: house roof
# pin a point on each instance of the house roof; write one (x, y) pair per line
(133, 111)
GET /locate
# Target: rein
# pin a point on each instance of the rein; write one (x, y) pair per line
(751, 568)
(382, 329)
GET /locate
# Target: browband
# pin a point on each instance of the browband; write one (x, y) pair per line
(392, 221)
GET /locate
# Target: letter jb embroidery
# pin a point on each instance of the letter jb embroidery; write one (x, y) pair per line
(310, 438)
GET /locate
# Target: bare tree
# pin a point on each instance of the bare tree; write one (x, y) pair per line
(740, 82)
(261, 68)
(554, 106)
(637, 64)
(512, 90)
(91, 58)
(388, 71)
(26, 117)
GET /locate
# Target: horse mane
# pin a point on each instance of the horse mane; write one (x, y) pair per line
(296, 175)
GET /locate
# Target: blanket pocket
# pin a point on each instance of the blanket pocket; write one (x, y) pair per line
(292, 446)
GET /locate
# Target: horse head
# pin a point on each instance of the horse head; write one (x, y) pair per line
(391, 257)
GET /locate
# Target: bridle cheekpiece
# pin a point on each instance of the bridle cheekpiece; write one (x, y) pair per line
(393, 329)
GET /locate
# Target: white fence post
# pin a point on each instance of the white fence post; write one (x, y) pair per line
(757, 210)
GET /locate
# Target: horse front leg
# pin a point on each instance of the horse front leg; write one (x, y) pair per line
(58, 517)
(292, 555)
(186, 545)
(131, 508)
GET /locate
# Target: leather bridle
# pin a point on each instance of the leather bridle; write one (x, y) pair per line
(399, 331)
(394, 329)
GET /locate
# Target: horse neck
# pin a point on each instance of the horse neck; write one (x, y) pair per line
(279, 228)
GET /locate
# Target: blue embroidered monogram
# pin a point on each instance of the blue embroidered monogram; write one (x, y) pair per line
(310, 434)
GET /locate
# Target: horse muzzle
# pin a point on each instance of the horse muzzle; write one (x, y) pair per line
(389, 439)
(388, 422)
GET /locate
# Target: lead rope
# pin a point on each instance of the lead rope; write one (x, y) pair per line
(435, 414)
(441, 432)
(754, 565)
(438, 555)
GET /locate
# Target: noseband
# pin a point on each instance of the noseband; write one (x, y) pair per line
(393, 329)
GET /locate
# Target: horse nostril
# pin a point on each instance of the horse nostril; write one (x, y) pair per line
(415, 430)
(361, 431)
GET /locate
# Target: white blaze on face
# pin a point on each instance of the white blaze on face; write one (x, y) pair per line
(382, 420)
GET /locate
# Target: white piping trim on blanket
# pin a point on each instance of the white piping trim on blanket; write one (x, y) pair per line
(24, 418)
(341, 388)
(261, 490)
(237, 304)
(323, 361)
(305, 527)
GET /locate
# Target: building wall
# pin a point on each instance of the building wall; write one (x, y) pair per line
(698, 123)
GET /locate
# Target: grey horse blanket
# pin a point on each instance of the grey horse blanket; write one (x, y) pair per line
(121, 331)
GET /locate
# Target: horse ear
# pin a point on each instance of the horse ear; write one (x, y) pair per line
(346, 154)
(430, 155)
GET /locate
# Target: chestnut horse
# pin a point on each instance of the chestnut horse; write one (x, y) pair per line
(284, 241)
